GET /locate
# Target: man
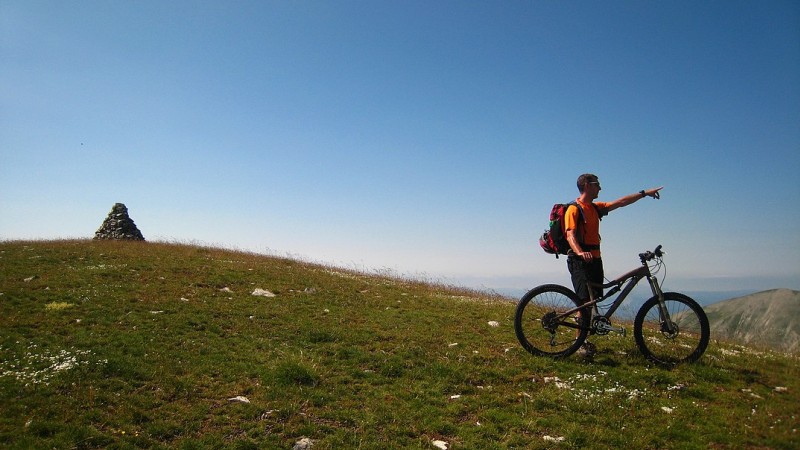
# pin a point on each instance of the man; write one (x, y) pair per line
(582, 227)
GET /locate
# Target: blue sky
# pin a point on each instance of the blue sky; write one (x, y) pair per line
(427, 139)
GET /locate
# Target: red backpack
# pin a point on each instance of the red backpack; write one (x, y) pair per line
(554, 239)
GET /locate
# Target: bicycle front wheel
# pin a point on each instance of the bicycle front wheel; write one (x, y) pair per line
(678, 334)
(541, 326)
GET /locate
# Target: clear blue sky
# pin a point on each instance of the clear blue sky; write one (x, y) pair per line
(423, 138)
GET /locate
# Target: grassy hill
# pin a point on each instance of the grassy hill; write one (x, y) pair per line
(769, 319)
(143, 345)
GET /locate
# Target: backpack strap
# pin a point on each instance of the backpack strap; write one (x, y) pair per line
(600, 212)
(580, 209)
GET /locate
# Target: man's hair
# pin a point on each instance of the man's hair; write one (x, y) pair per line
(585, 178)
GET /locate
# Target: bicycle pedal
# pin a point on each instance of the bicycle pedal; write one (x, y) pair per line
(608, 328)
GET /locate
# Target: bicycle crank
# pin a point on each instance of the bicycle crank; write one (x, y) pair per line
(602, 326)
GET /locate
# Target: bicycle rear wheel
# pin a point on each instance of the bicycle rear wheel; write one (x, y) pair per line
(681, 337)
(539, 328)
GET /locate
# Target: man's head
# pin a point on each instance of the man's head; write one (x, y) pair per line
(588, 180)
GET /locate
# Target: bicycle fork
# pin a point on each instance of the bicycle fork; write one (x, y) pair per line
(667, 325)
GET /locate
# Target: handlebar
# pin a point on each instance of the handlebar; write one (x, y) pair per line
(648, 255)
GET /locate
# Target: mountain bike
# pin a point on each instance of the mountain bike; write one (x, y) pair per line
(670, 328)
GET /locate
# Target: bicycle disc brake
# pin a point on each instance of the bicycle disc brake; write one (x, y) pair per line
(669, 329)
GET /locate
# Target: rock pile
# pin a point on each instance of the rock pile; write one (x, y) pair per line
(119, 226)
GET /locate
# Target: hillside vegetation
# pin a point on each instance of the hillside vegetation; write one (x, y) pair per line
(769, 319)
(143, 345)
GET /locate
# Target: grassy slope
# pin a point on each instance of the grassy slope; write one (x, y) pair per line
(139, 345)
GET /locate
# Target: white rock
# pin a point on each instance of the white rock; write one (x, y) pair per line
(494, 323)
(263, 293)
(239, 399)
(303, 444)
(440, 444)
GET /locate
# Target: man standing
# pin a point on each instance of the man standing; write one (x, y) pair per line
(582, 227)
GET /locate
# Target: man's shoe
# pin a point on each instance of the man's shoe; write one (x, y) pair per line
(588, 350)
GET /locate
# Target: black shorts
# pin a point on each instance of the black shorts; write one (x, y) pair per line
(583, 272)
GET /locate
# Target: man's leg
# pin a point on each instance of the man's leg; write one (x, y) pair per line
(582, 273)
(580, 278)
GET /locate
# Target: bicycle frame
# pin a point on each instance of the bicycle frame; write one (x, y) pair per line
(632, 278)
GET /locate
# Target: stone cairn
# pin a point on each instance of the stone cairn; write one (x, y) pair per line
(119, 226)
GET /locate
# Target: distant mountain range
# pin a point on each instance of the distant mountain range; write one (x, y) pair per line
(768, 319)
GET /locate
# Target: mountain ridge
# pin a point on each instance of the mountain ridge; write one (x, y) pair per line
(766, 319)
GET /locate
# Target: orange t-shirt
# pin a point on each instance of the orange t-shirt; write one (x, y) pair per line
(589, 229)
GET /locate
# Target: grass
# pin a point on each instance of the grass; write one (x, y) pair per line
(144, 345)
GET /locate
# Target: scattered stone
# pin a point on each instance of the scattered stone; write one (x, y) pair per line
(494, 323)
(119, 226)
(303, 444)
(239, 399)
(440, 444)
(29, 279)
(265, 415)
(263, 293)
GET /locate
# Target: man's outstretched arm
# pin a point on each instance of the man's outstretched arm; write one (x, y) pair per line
(633, 198)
